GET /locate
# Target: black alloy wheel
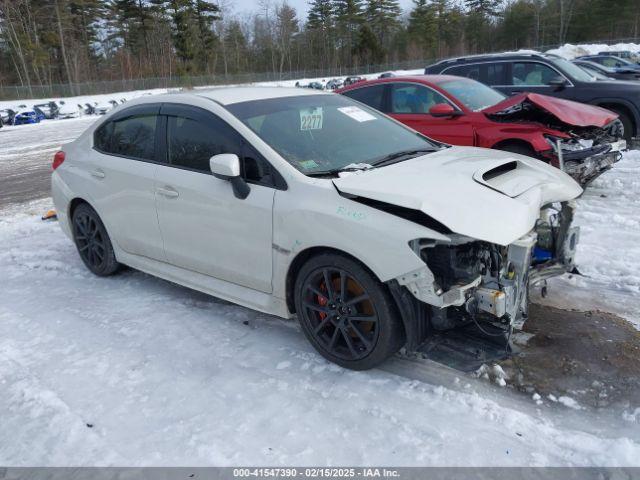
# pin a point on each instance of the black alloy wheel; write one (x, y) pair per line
(92, 241)
(346, 313)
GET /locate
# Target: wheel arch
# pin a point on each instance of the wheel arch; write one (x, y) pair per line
(513, 141)
(407, 321)
(301, 258)
(617, 105)
(74, 203)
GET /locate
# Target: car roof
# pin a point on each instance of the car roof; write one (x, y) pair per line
(497, 56)
(427, 79)
(231, 95)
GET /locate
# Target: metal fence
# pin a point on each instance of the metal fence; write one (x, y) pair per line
(125, 85)
(110, 86)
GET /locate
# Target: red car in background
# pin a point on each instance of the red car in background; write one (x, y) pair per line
(582, 140)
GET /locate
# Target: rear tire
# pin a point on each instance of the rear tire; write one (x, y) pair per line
(92, 241)
(346, 313)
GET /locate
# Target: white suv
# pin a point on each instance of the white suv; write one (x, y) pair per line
(309, 203)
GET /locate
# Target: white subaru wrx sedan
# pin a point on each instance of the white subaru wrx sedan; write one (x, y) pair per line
(310, 204)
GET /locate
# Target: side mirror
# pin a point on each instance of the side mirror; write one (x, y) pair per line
(559, 82)
(226, 166)
(444, 110)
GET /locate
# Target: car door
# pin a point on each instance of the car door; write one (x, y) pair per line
(205, 228)
(410, 104)
(120, 175)
(534, 77)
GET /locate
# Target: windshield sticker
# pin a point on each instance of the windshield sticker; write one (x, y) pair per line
(357, 114)
(308, 164)
(311, 118)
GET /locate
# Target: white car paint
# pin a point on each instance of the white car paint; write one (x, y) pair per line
(442, 184)
(189, 228)
(68, 110)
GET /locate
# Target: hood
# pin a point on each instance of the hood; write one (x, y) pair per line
(484, 194)
(571, 113)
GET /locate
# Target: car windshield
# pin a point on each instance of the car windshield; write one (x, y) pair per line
(593, 72)
(326, 133)
(572, 70)
(474, 95)
(617, 59)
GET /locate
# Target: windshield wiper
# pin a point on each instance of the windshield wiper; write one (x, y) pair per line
(400, 156)
(352, 167)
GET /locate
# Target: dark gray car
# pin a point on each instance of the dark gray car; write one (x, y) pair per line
(549, 75)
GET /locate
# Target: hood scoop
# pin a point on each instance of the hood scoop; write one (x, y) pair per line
(509, 178)
(485, 194)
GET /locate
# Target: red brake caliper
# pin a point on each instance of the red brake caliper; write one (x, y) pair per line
(322, 301)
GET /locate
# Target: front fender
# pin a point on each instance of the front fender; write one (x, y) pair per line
(320, 217)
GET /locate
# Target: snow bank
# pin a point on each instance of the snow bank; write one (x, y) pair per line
(571, 51)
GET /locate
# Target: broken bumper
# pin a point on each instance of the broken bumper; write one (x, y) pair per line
(502, 297)
(584, 165)
(499, 289)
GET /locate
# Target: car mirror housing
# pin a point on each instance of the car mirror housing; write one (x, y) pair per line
(559, 82)
(443, 110)
(226, 166)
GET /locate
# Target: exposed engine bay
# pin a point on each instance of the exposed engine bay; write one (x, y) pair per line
(475, 281)
(583, 147)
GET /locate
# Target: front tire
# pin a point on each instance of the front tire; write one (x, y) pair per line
(626, 125)
(346, 313)
(92, 241)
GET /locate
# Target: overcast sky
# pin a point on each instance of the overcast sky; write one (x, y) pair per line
(241, 6)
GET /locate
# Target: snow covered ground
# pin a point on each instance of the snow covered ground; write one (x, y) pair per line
(609, 251)
(133, 370)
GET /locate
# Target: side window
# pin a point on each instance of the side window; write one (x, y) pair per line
(372, 96)
(532, 74)
(495, 73)
(102, 137)
(408, 98)
(254, 168)
(133, 137)
(611, 62)
(192, 143)
(468, 71)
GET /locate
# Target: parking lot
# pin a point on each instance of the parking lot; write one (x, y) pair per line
(92, 365)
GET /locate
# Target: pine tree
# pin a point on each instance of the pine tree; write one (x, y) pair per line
(321, 15)
(235, 43)
(485, 8)
(349, 16)
(368, 47)
(423, 26)
(320, 25)
(382, 17)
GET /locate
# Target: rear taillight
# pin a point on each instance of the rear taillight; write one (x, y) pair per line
(58, 158)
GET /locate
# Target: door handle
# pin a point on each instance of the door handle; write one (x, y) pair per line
(168, 192)
(97, 173)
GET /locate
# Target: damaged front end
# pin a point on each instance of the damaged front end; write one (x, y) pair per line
(585, 157)
(584, 140)
(468, 280)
